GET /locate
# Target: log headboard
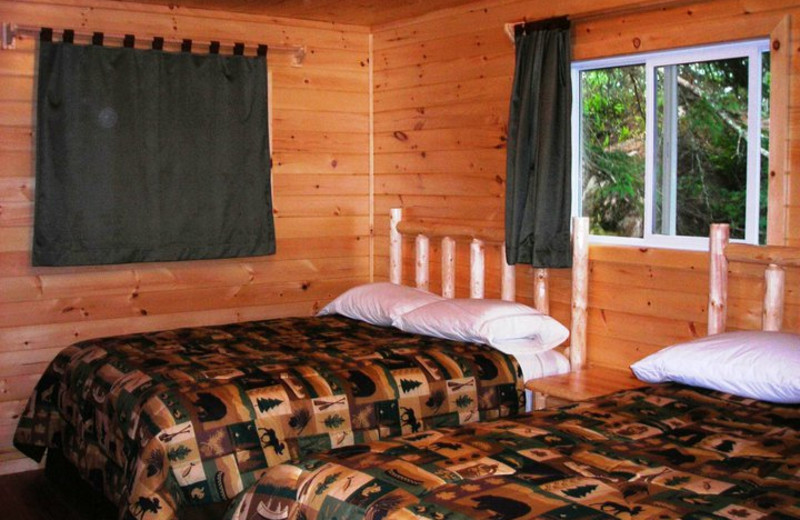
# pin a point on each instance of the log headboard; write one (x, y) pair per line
(449, 233)
(775, 258)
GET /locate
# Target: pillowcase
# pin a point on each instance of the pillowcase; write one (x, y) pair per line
(510, 327)
(378, 303)
(756, 364)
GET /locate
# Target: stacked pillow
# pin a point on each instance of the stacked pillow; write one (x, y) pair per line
(511, 327)
(378, 303)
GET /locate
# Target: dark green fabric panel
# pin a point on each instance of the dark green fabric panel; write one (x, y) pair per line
(150, 156)
(538, 167)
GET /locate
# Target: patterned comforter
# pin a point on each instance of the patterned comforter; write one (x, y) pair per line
(195, 415)
(662, 452)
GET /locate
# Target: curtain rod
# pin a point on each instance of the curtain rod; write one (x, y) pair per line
(10, 31)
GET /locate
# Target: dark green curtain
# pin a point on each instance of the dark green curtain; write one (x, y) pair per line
(144, 155)
(538, 170)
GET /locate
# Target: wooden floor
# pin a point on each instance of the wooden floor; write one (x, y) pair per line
(33, 496)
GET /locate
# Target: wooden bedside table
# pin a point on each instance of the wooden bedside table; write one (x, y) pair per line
(582, 385)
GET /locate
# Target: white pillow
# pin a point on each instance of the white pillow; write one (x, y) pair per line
(756, 364)
(378, 303)
(510, 327)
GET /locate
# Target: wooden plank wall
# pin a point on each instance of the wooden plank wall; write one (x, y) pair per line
(441, 91)
(321, 195)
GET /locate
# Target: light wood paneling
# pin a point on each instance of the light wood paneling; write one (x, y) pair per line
(441, 107)
(320, 188)
(440, 104)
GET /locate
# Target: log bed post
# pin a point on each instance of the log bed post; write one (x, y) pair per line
(395, 247)
(580, 292)
(448, 267)
(718, 278)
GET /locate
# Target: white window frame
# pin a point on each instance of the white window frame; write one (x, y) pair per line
(752, 49)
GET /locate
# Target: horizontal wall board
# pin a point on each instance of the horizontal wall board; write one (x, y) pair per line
(178, 275)
(60, 335)
(289, 162)
(464, 69)
(456, 115)
(442, 139)
(484, 162)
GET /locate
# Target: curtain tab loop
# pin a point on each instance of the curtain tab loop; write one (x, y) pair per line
(46, 34)
(186, 46)
(238, 49)
(213, 48)
(129, 41)
(68, 36)
(262, 50)
(158, 43)
(97, 39)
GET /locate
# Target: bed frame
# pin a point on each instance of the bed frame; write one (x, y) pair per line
(424, 230)
(775, 258)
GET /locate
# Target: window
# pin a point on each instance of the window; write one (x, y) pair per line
(663, 148)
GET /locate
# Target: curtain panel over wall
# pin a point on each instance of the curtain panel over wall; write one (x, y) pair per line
(538, 169)
(145, 155)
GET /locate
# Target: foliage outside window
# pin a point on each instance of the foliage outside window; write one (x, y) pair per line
(663, 147)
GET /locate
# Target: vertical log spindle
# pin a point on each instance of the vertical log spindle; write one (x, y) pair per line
(718, 278)
(395, 247)
(448, 267)
(476, 266)
(508, 281)
(774, 280)
(422, 270)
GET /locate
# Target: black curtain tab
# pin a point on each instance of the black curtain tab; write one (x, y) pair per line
(146, 155)
(538, 169)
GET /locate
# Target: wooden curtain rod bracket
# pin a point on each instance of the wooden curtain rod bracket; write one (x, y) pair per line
(10, 31)
(508, 28)
(511, 27)
(8, 34)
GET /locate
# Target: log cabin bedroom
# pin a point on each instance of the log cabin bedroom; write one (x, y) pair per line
(288, 260)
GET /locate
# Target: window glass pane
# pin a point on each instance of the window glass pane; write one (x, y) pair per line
(613, 149)
(700, 161)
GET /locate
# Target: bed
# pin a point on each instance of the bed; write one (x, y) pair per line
(163, 420)
(662, 452)
(707, 446)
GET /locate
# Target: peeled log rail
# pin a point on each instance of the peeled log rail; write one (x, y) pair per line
(456, 231)
(777, 255)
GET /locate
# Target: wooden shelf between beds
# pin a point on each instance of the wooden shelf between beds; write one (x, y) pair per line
(581, 385)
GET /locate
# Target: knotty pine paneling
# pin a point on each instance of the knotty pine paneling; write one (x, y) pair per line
(442, 84)
(320, 136)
